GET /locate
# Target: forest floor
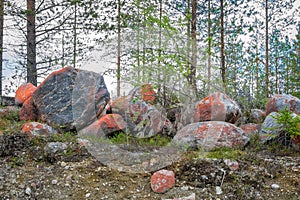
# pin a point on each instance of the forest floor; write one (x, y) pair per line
(27, 172)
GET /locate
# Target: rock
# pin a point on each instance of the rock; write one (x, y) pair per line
(232, 164)
(24, 92)
(269, 128)
(29, 111)
(215, 107)
(275, 186)
(28, 191)
(250, 129)
(296, 142)
(218, 190)
(144, 92)
(143, 120)
(71, 98)
(55, 147)
(257, 116)
(37, 129)
(106, 125)
(281, 101)
(162, 181)
(210, 135)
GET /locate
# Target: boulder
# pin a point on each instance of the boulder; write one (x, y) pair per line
(28, 111)
(105, 126)
(281, 101)
(270, 129)
(257, 116)
(71, 98)
(250, 129)
(210, 135)
(144, 92)
(215, 107)
(143, 120)
(37, 129)
(162, 181)
(24, 92)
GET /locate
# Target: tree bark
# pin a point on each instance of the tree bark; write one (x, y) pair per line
(1, 41)
(31, 43)
(75, 35)
(267, 52)
(192, 73)
(223, 69)
(209, 48)
(119, 51)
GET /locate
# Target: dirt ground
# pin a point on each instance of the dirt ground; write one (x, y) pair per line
(29, 172)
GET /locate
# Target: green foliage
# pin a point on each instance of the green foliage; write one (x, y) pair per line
(290, 123)
(155, 141)
(227, 153)
(64, 137)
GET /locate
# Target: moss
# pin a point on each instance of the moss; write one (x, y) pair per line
(227, 153)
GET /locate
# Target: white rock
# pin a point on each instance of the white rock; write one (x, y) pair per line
(275, 186)
(28, 191)
(54, 182)
(219, 190)
(88, 195)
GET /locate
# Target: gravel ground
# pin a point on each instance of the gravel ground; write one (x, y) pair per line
(28, 171)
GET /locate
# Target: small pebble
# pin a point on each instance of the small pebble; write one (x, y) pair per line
(88, 195)
(218, 190)
(275, 186)
(54, 182)
(28, 191)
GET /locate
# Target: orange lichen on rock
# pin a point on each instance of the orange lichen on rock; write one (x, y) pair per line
(24, 92)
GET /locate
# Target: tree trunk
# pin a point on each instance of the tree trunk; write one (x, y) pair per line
(75, 35)
(119, 51)
(1, 41)
(267, 53)
(192, 75)
(223, 69)
(31, 43)
(209, 49)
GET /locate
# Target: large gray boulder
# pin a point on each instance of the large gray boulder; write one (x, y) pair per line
(279, 102)
(71, 98)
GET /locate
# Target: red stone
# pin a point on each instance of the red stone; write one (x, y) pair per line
(210, 135)
(217, 107)
(37, 129)
(24, 92)
(28, 111)
(106, 125)
(250, 129)
(233, 165)
(281, 101)
(144, 92)
(162, 181)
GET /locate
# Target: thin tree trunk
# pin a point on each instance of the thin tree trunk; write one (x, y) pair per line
(75, 36)
(119, 51)
(192, 75)
(267, 53)
(223, 69)
(1, 41)
(31, 43)
(138, 44)
(209, 49)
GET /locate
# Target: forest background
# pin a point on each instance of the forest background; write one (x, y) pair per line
(185, 49)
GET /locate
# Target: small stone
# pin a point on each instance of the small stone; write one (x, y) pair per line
(275, 186)
(218, 190)
(54, 182)
(162, 181)
(233, 165)
(88, 195)
(28, 191)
